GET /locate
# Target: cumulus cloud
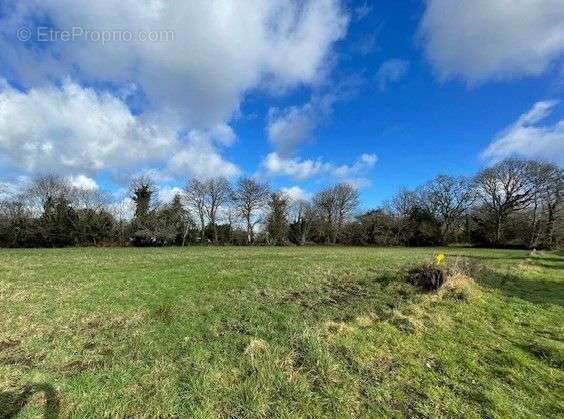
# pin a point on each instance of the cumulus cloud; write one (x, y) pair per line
(527, 138)
(199, 157)
(217, 53)
(83, 182)
(295, 193)
(299, 169)
(75, 131)
(170, 102)
(391, 71)
(492, 39)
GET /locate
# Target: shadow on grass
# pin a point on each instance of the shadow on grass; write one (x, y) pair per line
(12, 403)
(486, 258)
(535, 291)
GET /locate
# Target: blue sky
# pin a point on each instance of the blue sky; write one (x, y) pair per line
(381, 94)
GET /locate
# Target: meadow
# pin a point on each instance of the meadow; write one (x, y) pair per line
(279, 332)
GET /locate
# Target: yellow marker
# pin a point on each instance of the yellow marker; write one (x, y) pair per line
(440, 259)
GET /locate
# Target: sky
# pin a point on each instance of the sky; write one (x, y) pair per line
(301, 94)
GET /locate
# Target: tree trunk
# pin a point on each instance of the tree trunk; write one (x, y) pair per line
(249, 231)
(499, 231)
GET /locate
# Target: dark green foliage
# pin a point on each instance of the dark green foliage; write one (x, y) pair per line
(277, 222)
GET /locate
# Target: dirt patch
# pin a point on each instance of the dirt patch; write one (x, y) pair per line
(330, 294)
(9, 344)
(77, 367)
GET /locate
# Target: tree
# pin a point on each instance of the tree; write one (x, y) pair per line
(52, 196)
(303, 216)
(48, 187)
(217, 193)
(346, 203)
(195, 195)
(250, 197)
(335, 205)
(18, 228)
(377, 228)
(505, 188)
(175, 218)
(277, 221)
(448, 198)
(142, 189)
(548, 180)
(415, 225)
(94, 222)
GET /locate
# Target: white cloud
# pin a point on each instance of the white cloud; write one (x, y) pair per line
(276, 165)
(83, 182)
(526, 138)
(198, 157)
(295, 193)
(291, 127)
(166, 194)
(220, 50)
(75, 131)
(298, 169)
(391, 71)
(173, 99)
(492, 39)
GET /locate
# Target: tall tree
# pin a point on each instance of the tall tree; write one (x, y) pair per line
(448, 198)
(142, 189)
(250, 197)
(303, 216)
(195, 194)
(346, 203)
(505, 188)
(277, 221)
(548, 181)
(217, 193)
(335, 204)
(177, 219)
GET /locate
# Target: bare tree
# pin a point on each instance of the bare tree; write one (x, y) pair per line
(46, 189)
(122, 210)
(217, 193)
(346, 203)
(195, 194)
(324, 202)
(336, 204)
(448, 198)
(250, 197)
(548, 181)
(505, 188)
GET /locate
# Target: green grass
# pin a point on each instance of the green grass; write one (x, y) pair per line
(264, 332)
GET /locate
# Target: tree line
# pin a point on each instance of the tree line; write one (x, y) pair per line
(512, 203)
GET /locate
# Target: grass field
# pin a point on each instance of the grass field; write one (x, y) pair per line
(264, 332)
